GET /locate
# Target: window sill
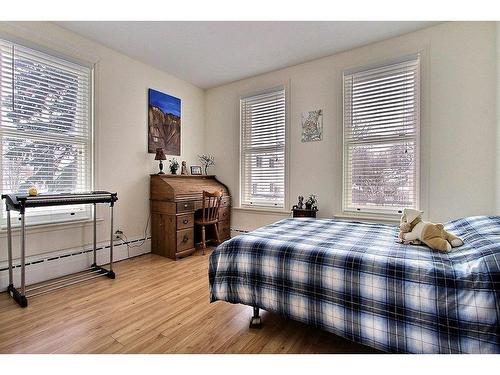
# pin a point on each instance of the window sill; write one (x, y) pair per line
(386, 219)
(267, 211)
(49, 227)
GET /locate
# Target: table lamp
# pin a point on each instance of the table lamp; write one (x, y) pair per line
(160, 155)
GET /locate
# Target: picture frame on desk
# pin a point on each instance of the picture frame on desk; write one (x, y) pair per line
(196, 170)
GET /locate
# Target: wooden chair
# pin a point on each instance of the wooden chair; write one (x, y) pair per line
(211, 204)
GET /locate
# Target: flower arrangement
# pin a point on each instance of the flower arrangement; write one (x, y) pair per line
(174, 165)
(207, 160)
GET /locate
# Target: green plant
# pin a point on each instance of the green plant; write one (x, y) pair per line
(174, 165)
(312, 200)
(207, 161)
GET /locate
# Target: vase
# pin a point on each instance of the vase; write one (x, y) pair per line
(308, 206)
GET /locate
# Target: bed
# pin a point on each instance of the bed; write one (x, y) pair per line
(353, 279)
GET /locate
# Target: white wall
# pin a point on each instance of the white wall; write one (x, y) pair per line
(122, 162)
(498, 121)
(460, 134)
(458, 122)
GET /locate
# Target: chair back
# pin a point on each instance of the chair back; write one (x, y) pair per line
(211, 204)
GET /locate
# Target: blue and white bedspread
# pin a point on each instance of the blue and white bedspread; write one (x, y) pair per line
(355, 280)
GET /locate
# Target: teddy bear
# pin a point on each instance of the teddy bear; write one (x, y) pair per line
(414, 230)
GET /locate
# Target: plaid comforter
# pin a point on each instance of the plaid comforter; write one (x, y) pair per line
(355, 280)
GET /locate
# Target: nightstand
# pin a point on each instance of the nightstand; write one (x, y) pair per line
(304, 212)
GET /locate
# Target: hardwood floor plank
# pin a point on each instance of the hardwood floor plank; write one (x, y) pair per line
(156, 305)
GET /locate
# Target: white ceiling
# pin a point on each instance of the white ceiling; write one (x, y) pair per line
(209, 54)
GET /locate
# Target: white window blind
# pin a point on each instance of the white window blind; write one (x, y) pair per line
(45, 128)
(263, 149)
(381, 127)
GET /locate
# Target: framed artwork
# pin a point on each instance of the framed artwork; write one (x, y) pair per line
(196, 170)
(312, 125)
(164, 123)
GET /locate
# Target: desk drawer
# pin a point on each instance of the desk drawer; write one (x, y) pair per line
(224, 213)
(225, 202)
(185, 221)
(185, 239)
(161, 207)
(224, 230)
(185, 207)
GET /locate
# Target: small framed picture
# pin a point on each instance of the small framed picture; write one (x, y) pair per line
(195, 170)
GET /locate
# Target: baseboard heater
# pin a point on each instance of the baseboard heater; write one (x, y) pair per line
(63, 264)
(66, 255)
(239, 230)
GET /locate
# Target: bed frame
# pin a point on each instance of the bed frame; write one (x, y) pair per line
(255, 321)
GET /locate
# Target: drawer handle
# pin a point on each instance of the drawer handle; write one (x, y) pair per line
(185, 205)
(185, 238)
(185, 221)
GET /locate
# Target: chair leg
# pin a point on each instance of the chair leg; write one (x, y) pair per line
(203, 245)
(217, 233)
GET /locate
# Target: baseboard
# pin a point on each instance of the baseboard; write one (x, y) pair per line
(236, 232)
(60, 263)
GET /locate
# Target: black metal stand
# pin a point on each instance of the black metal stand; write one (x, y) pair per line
(18, 297)
(20, 203)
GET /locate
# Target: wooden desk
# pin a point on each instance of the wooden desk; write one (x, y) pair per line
(174, 202)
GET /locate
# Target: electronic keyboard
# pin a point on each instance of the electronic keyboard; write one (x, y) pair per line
(18, 202)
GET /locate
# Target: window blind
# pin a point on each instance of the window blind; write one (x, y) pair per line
(263, 149)
(45, 132)
(381, 126)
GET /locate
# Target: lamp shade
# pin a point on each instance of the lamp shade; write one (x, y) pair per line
(160, 155)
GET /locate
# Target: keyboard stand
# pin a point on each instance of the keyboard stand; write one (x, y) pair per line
(20, 202)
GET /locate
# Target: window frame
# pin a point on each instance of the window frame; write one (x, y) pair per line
(388, 213)
(265, 208)
(67, 215)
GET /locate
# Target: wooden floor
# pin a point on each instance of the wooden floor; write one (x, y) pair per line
(154, 306)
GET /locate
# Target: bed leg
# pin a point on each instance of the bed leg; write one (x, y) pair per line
(255, 322)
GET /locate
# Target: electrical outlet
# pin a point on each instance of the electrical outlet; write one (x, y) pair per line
(118, 234)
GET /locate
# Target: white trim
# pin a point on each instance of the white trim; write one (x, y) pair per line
(417, 135)
(285, 85)
(370, 218)
(384, 212)
(89, 142)
(424, 118)
(92, 137)
(381, 64)
(262, 210)
(262, 92)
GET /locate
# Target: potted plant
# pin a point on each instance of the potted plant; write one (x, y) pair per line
(207, 161)
(174, 165)
(311, 202)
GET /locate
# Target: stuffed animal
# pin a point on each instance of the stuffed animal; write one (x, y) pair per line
(414, 230)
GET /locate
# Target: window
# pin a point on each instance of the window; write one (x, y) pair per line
(262, 174)
(45, 128)
(381, 127)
